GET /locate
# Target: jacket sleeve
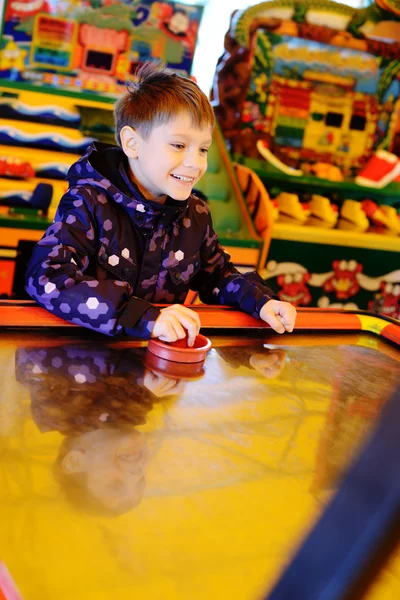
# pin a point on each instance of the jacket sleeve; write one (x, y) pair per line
(56, 276)
(219, 282)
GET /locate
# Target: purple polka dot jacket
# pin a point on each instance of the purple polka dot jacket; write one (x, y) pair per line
(111, 255)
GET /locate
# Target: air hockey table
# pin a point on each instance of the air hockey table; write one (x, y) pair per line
(121, 477)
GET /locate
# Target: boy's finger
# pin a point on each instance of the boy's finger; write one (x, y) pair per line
(275, 323)
(190, 324)
(287, 320)
(179, 331)
(287, 314)
(172, 331)
(288, 324)
(191, 314)
(192, 333)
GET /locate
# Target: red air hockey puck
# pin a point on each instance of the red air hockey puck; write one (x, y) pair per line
(172, 369)
(179, 351)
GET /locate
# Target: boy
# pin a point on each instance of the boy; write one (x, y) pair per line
(129, 233)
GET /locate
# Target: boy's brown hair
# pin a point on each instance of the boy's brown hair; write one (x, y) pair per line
(158, 95)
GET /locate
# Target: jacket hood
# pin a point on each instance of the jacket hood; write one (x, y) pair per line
(100, 167)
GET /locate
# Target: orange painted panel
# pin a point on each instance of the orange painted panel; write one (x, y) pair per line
(10, 236)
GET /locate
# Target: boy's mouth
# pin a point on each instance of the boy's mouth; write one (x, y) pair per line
(183, 178)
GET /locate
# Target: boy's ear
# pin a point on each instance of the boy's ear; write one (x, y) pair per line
(73, 462)
(129, 141)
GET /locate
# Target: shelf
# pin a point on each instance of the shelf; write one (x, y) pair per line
(94, 100)
(390, 194)
(335, 237)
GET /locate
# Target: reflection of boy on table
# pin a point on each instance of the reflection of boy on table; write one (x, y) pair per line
(95, 398)
(268, 362)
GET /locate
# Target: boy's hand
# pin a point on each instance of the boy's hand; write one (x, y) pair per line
(175, 322)
(280, 315)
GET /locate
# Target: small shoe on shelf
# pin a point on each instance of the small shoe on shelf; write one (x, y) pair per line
(322, 212)
(352, 217)
(291, 210)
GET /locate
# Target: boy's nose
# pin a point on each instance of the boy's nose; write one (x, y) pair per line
(193, 160)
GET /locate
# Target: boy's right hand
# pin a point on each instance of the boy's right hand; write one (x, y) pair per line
(175, 322)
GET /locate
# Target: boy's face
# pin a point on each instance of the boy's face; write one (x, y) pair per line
(171, 160)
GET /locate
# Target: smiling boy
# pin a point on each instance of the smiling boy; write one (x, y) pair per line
(129, 233)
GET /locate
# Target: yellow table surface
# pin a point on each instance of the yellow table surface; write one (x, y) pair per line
(183, 490)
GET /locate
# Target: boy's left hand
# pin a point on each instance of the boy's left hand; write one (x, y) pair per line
(281, 316)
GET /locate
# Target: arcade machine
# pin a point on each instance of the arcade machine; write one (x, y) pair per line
(62, 65)
(317, 85)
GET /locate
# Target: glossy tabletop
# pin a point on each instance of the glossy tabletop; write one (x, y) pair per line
(121, 481)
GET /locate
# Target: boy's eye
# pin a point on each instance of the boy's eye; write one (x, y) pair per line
(178, 146)
(204, 150)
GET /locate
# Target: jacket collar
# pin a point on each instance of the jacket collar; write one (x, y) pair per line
(104, 166)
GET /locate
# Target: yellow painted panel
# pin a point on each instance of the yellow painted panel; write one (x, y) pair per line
(316, 235)
(38, 129)
(38, 157)
(6, 253)
(38, 98)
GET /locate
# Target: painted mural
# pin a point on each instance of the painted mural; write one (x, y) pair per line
(345, 284)
(93, 45)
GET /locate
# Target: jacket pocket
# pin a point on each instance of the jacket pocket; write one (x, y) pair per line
(182, 273)
(120, 266)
